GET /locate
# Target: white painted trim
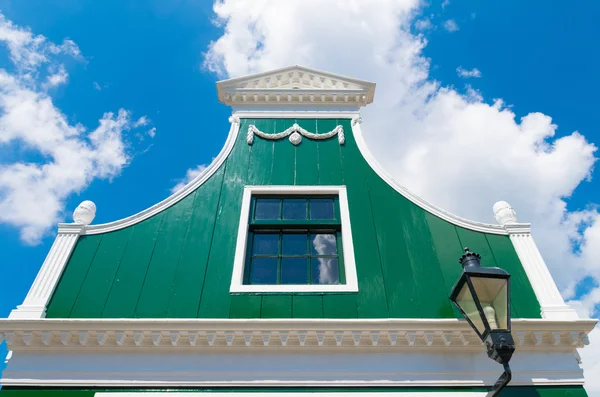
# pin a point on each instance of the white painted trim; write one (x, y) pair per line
(445, 215)
(317, 113)
(237, 279)
(177, 196)
(285, 368)
(287, 394)
(34, 305)
(551, 302)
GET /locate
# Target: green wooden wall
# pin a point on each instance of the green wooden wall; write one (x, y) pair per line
(178, 263)
(518, 391)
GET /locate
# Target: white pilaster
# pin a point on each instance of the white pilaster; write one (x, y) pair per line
(552, 304)
(34, 305)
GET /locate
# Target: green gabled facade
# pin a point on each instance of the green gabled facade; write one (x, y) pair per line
(178, 263)
(153, 304)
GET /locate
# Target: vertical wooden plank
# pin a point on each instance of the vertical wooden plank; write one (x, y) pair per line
(70, 283)
(154, 297)
(307, 161)
(245, 306)
(185, 294)
(448, 250)
(99, 279)
(261, 154)
(390, 230)
(307, 306)
(284, 156)
(340, 306)
(329, 152)
(523, 299)
(128, 282)
(476, 242)
(429, 286)
(371, 299)
(214, 301)
(276, 306)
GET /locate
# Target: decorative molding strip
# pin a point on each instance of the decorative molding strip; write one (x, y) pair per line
(295, 132)
(69, 334)
(551, 302)
(34, 305)
(445, 215)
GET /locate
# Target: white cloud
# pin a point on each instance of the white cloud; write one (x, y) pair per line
(445, 3)
(97, 86)
(33, 193)
(141, 121)
(476, 152)
(190, 174)
(423, 24)
(152, 132)
(462, 72)
(451, 26)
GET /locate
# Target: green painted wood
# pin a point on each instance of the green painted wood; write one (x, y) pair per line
(245, 306)
(214, 301)
(154, 296)
(307, 306)
(72, 278)
(276, 306)
(477, 242)
(371, 300)
(448, 250)
(126, 288)
(187, 286)
(523, 299)
(99, 279)
(179, 263)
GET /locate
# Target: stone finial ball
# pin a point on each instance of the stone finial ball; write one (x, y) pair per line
(504, 213)
(85, 212)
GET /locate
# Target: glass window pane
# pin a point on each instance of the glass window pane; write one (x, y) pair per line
(265, 244)
(266, 209)
(321, 209)
(294, 244)
(325, 271)
(294, 270)
(294, 209)
(323, 244)
(263, 271)
(467, 304)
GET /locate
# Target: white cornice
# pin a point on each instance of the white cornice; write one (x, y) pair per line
(68, 334)
(296, 86)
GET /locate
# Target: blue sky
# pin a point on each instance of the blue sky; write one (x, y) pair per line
(147, 57)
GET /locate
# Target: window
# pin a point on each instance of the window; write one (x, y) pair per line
(294, 239)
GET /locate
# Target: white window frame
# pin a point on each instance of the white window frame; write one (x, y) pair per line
(237, 279)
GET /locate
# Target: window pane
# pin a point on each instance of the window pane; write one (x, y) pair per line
(265, 244)
(294, 209)
(294, 270)
(263, 271)
(321, 209)
(267, 209)
(294, 244)
(323, 244)
(325, 271)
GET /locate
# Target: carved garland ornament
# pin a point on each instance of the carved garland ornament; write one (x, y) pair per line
(295, 133)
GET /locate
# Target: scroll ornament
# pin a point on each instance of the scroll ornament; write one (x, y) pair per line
(295, 132)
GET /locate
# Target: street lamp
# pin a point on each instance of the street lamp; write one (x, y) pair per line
(482, 294)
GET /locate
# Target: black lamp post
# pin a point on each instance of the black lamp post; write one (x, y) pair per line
(482, 294)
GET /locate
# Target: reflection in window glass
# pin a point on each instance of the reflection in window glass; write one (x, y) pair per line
(265, 244)
(325, 271)
(294, 270)
(323, 244)
(267, 209)
(294, 209)
(294, 244)
(263, 271)
(321, 209)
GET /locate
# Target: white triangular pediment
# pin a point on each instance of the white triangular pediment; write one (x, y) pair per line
(295, 85)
